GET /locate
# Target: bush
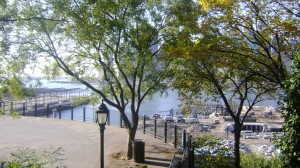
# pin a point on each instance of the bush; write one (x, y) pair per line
(251, 160)
(13, 165)
(28, 158)
(211, 152)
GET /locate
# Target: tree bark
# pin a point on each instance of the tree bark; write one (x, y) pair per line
(237, 134)
(131, 137)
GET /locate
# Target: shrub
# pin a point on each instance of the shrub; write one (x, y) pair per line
(211, 152)
(29, 158)
(251, 160)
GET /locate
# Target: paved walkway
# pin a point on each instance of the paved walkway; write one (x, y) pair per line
(80, 142)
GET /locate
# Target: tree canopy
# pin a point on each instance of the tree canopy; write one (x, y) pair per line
(237, 52)
(113, 43)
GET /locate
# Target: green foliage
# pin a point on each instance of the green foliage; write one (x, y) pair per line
(29, 158)
(17, 89)
(80, 100)
(230, 55)
(120, 40)
(251, 160)
(14, 114)
(14, 165)
(289, 143)
(212, 153)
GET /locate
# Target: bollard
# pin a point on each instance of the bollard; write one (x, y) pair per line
(144, 124)
(165, 131)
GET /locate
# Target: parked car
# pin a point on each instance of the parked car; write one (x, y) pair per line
(191, 120)
(156, 116)
(246, 133)
(168, 118)
(179, 119)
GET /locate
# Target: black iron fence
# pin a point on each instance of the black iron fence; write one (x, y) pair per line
(174, 134)
(170, 132)
(42, 104)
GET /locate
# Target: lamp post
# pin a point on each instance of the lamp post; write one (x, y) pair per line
(101, 119)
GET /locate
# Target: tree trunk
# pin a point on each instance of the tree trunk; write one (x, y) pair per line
(237, 134)
(131, 137)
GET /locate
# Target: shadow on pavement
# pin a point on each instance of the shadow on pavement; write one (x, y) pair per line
(157, 161)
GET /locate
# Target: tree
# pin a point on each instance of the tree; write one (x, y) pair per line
(222, 78)
(221, 54)
(120, 40)
(267, 32)
(289, 143)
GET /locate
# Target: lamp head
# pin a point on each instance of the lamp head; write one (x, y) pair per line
(102, 113)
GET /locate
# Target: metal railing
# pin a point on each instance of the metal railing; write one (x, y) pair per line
(172, 133)
(175, 135)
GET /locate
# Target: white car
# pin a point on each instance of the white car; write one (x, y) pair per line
(168, 118)
(191, 120)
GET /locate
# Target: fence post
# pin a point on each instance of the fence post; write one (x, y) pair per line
(47, 111)
(3, 107)
(144, 124)
(192, 155)
(35, 109)
(165, 131)
(191, 152)
(175, 136)
(72, 112)
(155, 128)
(83, 114)
(184, 139)
(23, 109)
(59, 111)
(11, 106)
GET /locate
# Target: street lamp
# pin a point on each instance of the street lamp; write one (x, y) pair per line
(101, 118)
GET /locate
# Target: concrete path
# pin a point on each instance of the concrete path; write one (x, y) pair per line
(80, 142)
